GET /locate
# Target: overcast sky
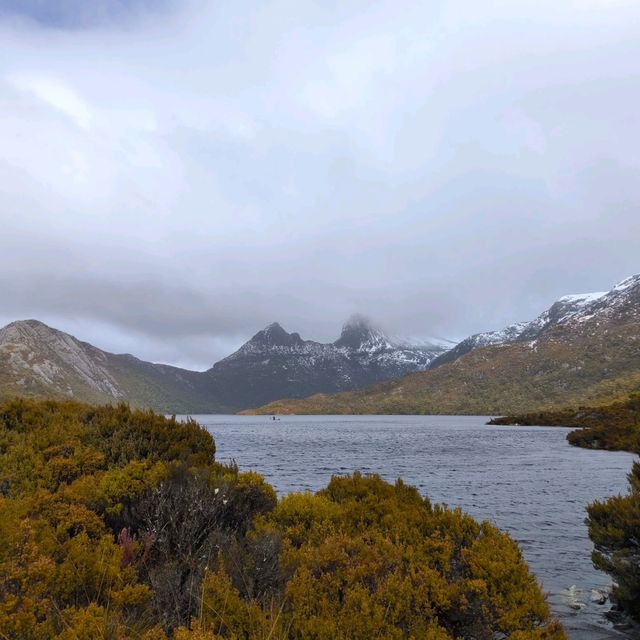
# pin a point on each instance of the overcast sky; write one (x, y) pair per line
(176, 175)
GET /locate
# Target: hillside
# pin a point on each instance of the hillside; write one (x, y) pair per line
(39, 361)
(588, 354)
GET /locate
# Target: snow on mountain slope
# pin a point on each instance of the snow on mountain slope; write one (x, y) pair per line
(359, 338)
(38, 360)
(624, 298)
(567, 308)
(478, 340)
(583, 349)
(276, 364)
(622, 302)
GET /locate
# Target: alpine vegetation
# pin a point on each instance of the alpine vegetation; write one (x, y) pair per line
(121, 524)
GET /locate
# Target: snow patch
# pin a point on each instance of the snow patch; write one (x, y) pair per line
(582, 299)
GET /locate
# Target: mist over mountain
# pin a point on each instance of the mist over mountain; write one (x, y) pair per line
(275, 364)
(37, 360)
(583, 348)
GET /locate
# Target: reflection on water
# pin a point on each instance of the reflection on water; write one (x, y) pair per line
(525, 479)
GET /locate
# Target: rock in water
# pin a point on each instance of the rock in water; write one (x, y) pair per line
(572, 597)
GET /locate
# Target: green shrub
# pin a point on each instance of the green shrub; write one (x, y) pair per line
(614, 527)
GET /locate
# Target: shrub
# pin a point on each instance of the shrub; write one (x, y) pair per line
(120, 524)
(366, 559)
(614, 527)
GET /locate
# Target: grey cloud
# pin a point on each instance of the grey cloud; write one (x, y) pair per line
(79, 14)
(443, 168)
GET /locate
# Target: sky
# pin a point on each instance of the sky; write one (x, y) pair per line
(176, 175)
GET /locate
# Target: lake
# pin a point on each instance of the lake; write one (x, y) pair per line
(527, 480)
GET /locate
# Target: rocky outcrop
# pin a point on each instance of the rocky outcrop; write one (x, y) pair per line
(277, 364)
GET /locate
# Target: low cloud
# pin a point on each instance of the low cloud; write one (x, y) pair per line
(175, 177)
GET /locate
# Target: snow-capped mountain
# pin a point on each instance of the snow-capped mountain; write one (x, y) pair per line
(276, 364)
(486, 339)
(565, 309)
(580, 340)
(369, 344)
(38, 360)
(622, 300)
(584, 349)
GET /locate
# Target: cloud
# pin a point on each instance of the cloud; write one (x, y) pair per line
(79, 14)
(174, 179)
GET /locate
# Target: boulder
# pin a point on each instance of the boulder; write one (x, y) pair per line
(598, 597)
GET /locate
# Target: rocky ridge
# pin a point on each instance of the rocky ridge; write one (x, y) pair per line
(278, 364)
(40, 361)
(584, 348)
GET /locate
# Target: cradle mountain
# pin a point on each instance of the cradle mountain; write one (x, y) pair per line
(583, 349)
(39, 361)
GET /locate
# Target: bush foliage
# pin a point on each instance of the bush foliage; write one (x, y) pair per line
(614, 527)
(615, 426)
(120, 524)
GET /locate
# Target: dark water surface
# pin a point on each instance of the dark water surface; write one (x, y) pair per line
(527, 480)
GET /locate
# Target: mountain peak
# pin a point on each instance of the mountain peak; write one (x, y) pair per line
(358, 331)
(357, 321)
(627, 283)
(274, 335)
(581, 298)
(30, 323)
(23, 329)
(274, 328)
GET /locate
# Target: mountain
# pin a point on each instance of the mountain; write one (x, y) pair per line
(583, 349)
(489, 338)
(561, 311)
(39, 361)
(277, 364)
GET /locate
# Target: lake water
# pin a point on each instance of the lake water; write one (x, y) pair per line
(527, 480)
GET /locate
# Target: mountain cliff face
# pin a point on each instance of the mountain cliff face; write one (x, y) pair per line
(37, 360)
(583, 349)
(277, 364)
